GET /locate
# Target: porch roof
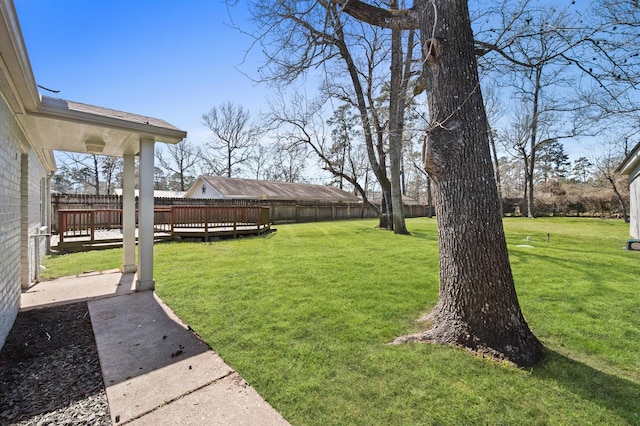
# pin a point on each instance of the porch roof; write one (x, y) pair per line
(58, 124)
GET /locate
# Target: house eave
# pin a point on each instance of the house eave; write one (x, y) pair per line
(58, 109)
(15, 61)
(631, 161)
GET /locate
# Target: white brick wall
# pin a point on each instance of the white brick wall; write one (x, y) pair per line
(31, 218)
(10, 241)
(22, 182)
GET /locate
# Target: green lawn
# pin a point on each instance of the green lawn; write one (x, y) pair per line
(304, 315)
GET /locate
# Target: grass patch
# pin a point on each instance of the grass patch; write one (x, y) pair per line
(62, 265)
(304, 315)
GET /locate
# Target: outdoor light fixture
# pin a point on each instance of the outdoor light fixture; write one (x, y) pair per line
(94, 146)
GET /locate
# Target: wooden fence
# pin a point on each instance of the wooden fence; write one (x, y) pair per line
(282, 211)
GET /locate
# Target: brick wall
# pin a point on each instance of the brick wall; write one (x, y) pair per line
(10, 210)
(31, 217)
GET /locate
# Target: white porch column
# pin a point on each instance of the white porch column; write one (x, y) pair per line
(129, 214)
(145, 217)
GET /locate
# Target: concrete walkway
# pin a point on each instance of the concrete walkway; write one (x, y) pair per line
(155, 370)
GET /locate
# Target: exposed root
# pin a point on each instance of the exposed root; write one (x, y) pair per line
(522, 350)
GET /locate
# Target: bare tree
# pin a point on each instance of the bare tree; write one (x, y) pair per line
(181, 161)
(540, 51)
(494, 111)
(87, 173)
(607, 163)
(478, 307)
(300, 123)
(297, 36)
(233, 138)
(525, 145)
(259, 162)
(288, 162)
(400, 73)
(83, 170)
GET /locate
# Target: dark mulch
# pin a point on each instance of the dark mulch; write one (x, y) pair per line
(50, 372)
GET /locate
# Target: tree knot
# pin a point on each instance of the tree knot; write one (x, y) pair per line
(431, 50)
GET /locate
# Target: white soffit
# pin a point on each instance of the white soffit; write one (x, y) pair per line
(63, 125)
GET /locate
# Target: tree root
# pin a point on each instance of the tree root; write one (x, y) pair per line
(521, 351)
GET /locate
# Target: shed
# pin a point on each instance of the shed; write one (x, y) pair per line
(631, 166)
(213, 187)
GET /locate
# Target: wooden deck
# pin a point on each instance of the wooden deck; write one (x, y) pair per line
(82, 230)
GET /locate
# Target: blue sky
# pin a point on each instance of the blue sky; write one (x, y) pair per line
(161, 58)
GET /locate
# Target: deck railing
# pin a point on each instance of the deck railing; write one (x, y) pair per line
(206, 219)
(171, 220)
(84, 223)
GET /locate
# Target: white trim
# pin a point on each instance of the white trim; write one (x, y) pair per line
(15, 57)
(61, 109)
(630, 162)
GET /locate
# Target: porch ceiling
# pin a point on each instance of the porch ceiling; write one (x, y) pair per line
(63, 125)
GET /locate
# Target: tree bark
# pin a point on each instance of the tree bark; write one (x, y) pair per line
(496, 168)
(533, 142)
(378, 164)
(396, 120)
(478, 308)
(96, 171)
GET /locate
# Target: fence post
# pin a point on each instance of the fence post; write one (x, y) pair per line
(235, 219)
(206, 222)
(92, 224)
(62, 225)
(172, 220)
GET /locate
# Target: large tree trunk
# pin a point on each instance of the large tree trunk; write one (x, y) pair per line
(396, 121)
(478, 307)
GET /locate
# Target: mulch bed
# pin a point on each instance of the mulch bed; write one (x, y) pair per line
(49, 370)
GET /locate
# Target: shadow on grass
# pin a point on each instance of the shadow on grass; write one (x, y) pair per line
(616, 394)
(596, 272)
(425, 235)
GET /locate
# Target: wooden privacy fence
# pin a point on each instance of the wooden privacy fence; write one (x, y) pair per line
(281, 211)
